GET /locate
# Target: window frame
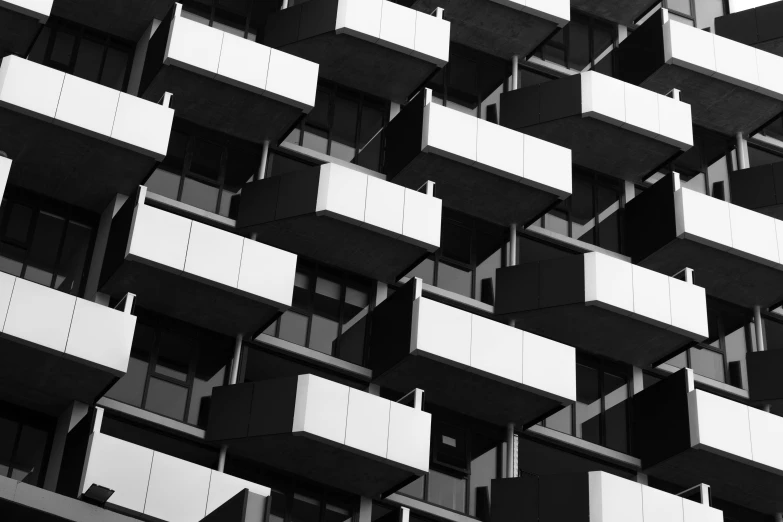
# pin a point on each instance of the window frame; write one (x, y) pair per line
(565, 47)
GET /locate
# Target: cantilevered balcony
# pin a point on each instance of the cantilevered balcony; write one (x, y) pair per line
(75, 140)
(624, 12)
(374, 46)
(479, 168)
(687, 436)
(20, 22)
(127, 19)
(343, 218)
(156, 485)
(333, 434)
(759, 188)
(604, 305)
(759, 26)
(731, 87)
(735, 252)
(56, 348)
(194, 272)
(596, 496)
(610, 126)
(465, 362)
(500, 27)
(226, 82)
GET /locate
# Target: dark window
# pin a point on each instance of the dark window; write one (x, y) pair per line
(24, 444)
(759, 157)
(234, 17)
(579, 43)
(698, 13)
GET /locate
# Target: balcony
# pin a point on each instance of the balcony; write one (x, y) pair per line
(733, 251)
(212, 278)
(226, 82)
(759, 188)
(596, 496)
(373, 46)
(20, 21)
(56, 348)
(465, 362)
(623, 12)
(610, 126)
(343, 218)
(156, 485)
(764, 383)
(479, 168)
(74, 140)
(333, 434)
(501, 28)
(686, 436)
(731, 87)
(604, 305)
(116, 17)
(758, 26)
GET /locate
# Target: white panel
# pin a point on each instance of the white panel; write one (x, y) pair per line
(121, 466)
(360, 18)
(450, 133)
(160, 237)
(321, 408)
(367, 426)
(500, 150)
(608, 280)
(409, 436)
(614, 499)
(7, 282)
(496, 348)
(690, 47)
(736, 6)
(214, 254)
(676, 125)
(143, 125)
(549, 366)
(30, 86)
(444, 331)
(223, 488)
(766, 432)
(398, 27)
(267, 272)
(641, 110)
(385, 205)
(723, 424)
(343, 191)
(39, 8)
(779, 236)
(735, 62)
(754, 233)
(651, 294)
(243, 62)
(87, 105)
(194, 46)
(558, 11)
(770, 68)
(548, 165)
(421, 220)
(5, 171)
(101, 334)
(432, 39)
(39, 315)
(603, 97)
(178, 489)
(705, 217)
(689, 307)
(292, 79)
(660, 506)
(696, 512)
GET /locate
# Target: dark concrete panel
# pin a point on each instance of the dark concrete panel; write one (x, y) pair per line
(403, 137)
(17, 32)
(754, 187)
(122, 18)
(740, 27)
(318, 18)
(229, 412)
(565, 497)
(298, 193)
(282, 27)
(764, 371)
(642, 53)
(650, 220)
(156, 52)
(242, 507)
(515, 499)
(274, 403)
(562, 282)
(561, 99)
(769, 21)
(390, 328)
(518, 288)
(258, 202)
(623, 12)
(521, 108)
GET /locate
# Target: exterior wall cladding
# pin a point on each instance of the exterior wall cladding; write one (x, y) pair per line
(391, 260)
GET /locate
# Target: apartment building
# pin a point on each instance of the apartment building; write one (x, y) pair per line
(391, 260)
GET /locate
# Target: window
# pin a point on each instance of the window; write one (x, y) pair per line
(231, 17)
(173, 369)
(698, 13)
(343, 124)
(578, 44)
(45, 241)
(759, 157)
(325, 304)
(85, 53)
(204, 168)
(24, 445)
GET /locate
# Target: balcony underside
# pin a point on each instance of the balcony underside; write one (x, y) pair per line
(67, 165)
(604, 147)
(362, 65)
(17, 32)
(603, 332)
(470, 392)
(123, 18)
(217, 105)
(491, 27)
(725, 275)
(730, 480)
(716, 104)
(189, 299)
(475, 191)
(623, 12)
(46, 380)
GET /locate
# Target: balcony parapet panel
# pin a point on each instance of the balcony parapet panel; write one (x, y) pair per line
(759, 188)
(757, 25)
(20, 22)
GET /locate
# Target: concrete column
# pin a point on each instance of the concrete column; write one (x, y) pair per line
(65, 423)
(515, 72)
(264, 160)
(232, 379)
(743, 161)
(510, 450)
(759, 329)
(365, 509)
(285, 5)
(778, 517)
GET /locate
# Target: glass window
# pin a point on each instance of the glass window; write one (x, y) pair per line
(446, 491)
(24, 443)
(681, 6)
(579, 43)
(707, 11)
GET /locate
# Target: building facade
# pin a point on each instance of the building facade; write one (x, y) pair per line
(391, 260)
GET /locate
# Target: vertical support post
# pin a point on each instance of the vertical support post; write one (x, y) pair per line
(778, 517)
(285, 5)
(510, 450)
(512, 254)
(515, 72)
(743, 160)
(418, 399)
(405, 514)
(676, 181)
(232, 379)
(675, 94)
(439, 13)
(429, 188)
(264, 160)
(759, 329)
